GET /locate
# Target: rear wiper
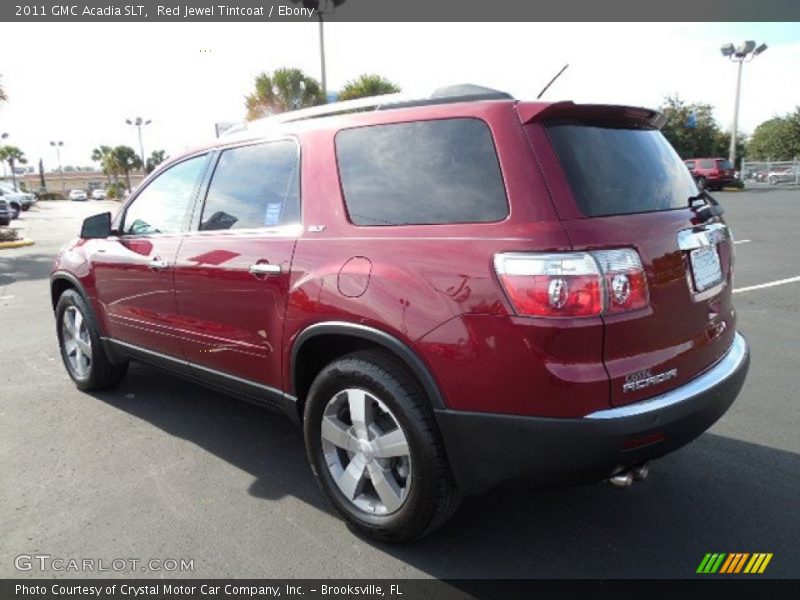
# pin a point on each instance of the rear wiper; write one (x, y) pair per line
(708, 209)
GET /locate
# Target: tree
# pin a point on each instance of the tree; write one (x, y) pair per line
(284, 90)
(692, 130)
(13, 155)
(104, 155)
(777, 138)
(3, 96)
(367, 85)
(156, 158)
(126, 160)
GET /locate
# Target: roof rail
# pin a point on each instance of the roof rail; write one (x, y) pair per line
(444, 95)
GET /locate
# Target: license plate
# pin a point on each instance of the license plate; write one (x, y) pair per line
(706, 269)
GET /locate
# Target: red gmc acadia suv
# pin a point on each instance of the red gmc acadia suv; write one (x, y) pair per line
(448, 294)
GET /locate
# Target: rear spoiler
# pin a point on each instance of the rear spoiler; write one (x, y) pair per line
(530, 112)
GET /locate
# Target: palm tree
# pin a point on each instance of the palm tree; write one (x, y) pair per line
(126, 160)
(367, 85)
(101, 154)
(284, 90)
(13, 155)
(156, 158)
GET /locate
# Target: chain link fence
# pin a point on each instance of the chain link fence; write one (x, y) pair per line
(771, 172)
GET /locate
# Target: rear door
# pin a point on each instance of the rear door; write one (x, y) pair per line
(232, 271)
(617, 183)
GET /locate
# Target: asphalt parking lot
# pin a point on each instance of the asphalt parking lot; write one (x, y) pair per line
(160, 468)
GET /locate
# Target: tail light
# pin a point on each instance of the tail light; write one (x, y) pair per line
(573, 284)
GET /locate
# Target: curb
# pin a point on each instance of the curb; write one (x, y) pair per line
(16, 244)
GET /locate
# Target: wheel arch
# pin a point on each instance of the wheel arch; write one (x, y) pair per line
(314, 348)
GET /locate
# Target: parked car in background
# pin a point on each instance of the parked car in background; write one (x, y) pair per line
(16, 202)
(476, 291)
(98, 194)
(784, 175)
(77, 195)
(5, 213)
(711, 173)
(22, 200)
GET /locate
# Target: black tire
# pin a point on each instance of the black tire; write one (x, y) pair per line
(5, 222)
(101, 373)
(432, 496)
(25, 207)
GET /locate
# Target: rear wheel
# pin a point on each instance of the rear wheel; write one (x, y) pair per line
(81, 348)
(773, 180)
(373, 445)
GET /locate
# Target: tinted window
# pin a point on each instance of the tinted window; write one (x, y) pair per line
(706, 164)
(724, 164)
(618, 171)
(427, 172)
(690, 164)
(163, 206)
(254, 186)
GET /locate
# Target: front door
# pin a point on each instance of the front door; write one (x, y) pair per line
(135, 270)
(232, 271)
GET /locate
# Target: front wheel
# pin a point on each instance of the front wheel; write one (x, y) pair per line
(375, 450)
(81, 349)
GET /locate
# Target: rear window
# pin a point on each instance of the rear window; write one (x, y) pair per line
(616, 171)
(724, 164)
(426, 172)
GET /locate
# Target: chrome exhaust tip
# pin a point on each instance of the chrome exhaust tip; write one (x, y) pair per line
(621, 480)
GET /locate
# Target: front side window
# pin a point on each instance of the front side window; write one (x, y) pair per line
(706, 164)
(163, 206)
(254, 186)
(425, 172)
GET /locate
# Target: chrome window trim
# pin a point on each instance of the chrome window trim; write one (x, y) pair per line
(726, 367)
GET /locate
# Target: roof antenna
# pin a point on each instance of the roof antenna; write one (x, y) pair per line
(564, 68)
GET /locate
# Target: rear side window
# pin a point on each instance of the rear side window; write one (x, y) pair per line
(706, 164)
(426, 172)
(254, 186)
(616, 171)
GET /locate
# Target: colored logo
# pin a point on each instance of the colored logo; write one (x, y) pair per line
(734, 563)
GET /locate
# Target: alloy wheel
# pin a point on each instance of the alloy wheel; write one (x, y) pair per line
(77, 342)
(366, 451)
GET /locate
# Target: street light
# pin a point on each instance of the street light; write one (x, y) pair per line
(329, 8)
(138, 122)
(57, 146)
(744, 52)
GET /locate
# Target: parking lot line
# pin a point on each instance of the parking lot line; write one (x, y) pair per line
(742, 242)
(750, 288)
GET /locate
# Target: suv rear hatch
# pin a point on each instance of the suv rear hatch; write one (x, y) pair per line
(617, 183)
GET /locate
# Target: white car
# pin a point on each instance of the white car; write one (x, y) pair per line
(98, 194)
(77, 195)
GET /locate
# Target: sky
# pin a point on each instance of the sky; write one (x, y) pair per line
(79, 82)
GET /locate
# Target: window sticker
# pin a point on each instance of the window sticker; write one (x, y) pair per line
(273, 214)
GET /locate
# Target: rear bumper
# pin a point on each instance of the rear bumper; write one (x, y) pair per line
(486, 450)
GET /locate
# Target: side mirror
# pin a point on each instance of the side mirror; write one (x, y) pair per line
(96, 226)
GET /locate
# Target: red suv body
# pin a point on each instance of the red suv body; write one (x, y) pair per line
(449, 295)
(711, 173)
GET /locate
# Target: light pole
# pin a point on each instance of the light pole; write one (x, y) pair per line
(138, 122)
(57, 146)
(321, 7)
(744, 52)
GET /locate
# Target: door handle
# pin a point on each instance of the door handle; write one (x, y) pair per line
(264, 269)
(158, 264)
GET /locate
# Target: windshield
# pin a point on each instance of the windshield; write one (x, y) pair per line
(621, 171)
